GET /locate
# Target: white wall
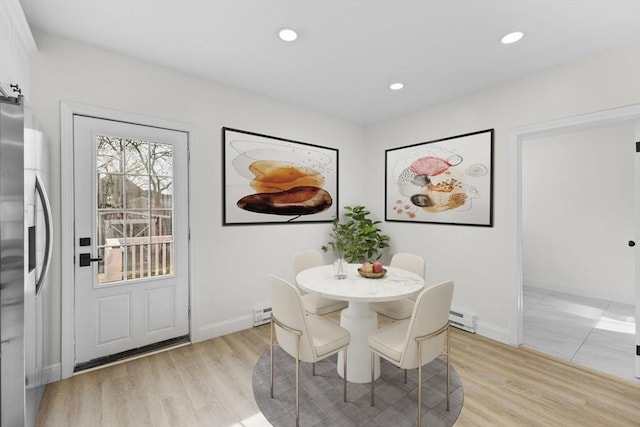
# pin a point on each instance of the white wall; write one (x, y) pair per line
(480, 260)
(578, 212)
(231, 264)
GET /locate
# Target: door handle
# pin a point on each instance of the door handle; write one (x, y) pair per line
(48, 224)
(86, 260)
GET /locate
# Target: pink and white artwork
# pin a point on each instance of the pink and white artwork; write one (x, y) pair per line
(446, 181)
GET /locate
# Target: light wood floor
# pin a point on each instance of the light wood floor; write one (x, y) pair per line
(209, 384)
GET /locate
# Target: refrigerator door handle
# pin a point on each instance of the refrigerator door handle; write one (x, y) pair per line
(46, 207)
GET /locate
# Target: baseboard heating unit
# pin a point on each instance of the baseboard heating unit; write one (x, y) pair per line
(463, 320)
(261, 316)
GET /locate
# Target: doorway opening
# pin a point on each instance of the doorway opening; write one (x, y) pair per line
(547, 315)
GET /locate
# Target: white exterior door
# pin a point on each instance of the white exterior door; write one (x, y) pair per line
(131, 236)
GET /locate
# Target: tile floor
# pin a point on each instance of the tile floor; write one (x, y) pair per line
(591, 332)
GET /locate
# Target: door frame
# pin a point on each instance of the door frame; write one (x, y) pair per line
(637, 240)
(516, 137)
(67, 248)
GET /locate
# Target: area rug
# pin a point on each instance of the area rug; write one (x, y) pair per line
(321, 401)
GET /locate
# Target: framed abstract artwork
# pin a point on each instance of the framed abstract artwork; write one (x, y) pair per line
(446, 181)
(270, 180)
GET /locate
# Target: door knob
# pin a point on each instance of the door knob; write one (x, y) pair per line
(86, 260)
(632, 243)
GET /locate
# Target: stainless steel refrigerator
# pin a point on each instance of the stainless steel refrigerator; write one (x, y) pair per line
(25, 250)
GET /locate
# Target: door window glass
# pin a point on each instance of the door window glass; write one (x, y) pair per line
(134, 208)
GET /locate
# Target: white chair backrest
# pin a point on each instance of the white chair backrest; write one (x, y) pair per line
(287, 307)
(430, 313)
(410, 262)
(306, 259)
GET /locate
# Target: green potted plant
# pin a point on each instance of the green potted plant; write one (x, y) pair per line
(356, 239)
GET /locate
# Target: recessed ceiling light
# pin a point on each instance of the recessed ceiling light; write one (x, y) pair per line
(287, 34)
(512, 37)
(396, 86)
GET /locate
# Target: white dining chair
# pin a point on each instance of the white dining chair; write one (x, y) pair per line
(305, 337)
(314, 304)
(402, 308)
(414, 342)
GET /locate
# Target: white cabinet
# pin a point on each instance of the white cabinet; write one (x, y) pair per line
(6, 46)
(16, 44)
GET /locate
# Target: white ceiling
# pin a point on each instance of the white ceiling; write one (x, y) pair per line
(348, 51)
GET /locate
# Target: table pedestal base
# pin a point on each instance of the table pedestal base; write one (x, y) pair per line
(360, 321)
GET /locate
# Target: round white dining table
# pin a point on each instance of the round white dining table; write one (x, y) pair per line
(358, 318)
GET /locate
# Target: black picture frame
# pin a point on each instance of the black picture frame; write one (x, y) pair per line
(443, 181)
(272, 180)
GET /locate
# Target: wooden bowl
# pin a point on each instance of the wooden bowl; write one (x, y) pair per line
(372, 275)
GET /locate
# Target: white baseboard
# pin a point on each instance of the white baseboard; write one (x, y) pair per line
(230, 326)
(579, 291)
(52, 373)
(218, 329)
(494, 332)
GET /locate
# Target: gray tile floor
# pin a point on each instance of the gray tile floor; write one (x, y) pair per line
(591, 332)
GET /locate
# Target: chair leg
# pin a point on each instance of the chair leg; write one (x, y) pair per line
(419, 384)
(344, 372)
(405, 376)
(271, 359)
(447, 339)
(313, 370)
(298, 383)
(372, 374)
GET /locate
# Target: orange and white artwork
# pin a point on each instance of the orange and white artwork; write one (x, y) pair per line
(276, 180)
